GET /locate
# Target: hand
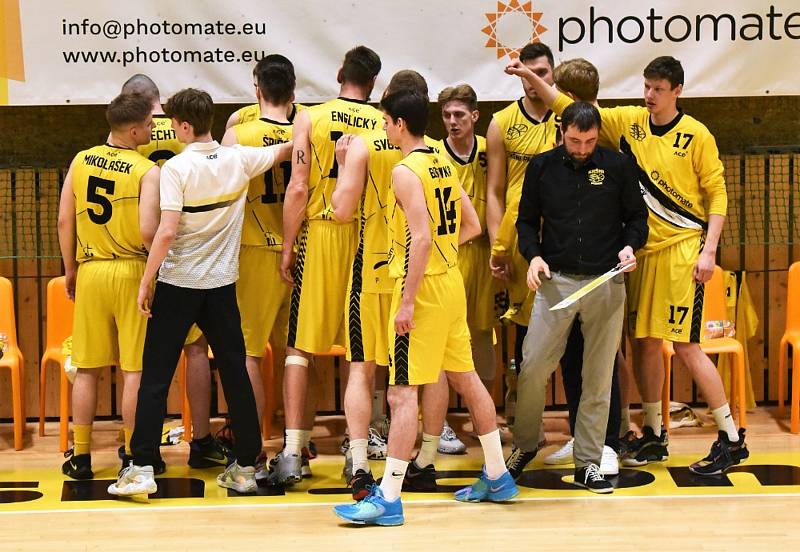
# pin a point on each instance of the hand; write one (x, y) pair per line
(704, 267)
(516, 67)
(501, 266)
(626, 256)
(341, 147)
(71, 277)
(537, 265)
(404, 320)
(145, 299)
(287, 266)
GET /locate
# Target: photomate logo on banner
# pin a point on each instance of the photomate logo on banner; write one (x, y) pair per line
(11, 63)
(512, 26)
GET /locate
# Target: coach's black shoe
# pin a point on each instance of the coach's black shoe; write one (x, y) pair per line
(420, 480)
(159, 466)
(515, 464)
(208, 452)
(724, 454)
(77, 466)
(647, 448)
(589, 477)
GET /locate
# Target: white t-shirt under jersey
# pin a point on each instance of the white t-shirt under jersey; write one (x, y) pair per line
(208, 184)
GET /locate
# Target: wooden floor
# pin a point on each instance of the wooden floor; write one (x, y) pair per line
(744, 516)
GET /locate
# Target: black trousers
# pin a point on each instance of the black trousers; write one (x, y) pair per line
(216, 312)
(571, 369)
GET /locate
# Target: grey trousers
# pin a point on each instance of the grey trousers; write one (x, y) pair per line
(601, 314)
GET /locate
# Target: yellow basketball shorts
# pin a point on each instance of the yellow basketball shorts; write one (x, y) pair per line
(108, 328)
(193, 335)
(367, 318)
(321, 274)
(664, 301)
(440, 338)
(473, 262)
(263, 299)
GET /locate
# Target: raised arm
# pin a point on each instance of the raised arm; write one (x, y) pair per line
(408, 190)
(294, 204)
(149, 208)
(353, 158)
(67, 236)
(554, 99)
(230, 137)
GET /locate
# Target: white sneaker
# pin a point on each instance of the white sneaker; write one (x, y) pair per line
(609, 463)
(562, 455)
(449, 443)
(377, 449)
(240, 479)
(134, 480)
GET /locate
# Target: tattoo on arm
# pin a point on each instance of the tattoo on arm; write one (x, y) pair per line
(301, 157)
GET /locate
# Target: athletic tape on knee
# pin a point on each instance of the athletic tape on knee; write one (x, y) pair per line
(296, 360)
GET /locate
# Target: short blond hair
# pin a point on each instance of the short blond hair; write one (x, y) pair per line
(578, 77)
(460, 93)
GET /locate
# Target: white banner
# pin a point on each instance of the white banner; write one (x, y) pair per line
(80, 51)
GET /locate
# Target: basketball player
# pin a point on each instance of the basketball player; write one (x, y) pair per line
(108, 214)
(428, 331)
(195, 258)
(515, 134)
(326, 248)
(252, 112)
(681, 179)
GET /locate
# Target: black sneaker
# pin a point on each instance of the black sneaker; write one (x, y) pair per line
(361, 483)
(515, 464)
(225, 435)
(77, 466)
(158, 468)
(420, 480)
(625, 442)
(589, 477)
(647, 448)
(208, 452)
(724, 454)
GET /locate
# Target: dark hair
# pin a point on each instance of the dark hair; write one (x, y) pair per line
(128, 109)
(536, 50)
(665, 67)
(407, 79)
(275, 76)
(360, 66)
(463, 93)
(582, 115)
(194, 107)
(142, 84)
(409, 105)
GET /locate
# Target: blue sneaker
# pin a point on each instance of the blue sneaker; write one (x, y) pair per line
(373, 510)
(501, 489)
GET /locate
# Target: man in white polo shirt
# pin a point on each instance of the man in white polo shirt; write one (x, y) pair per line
(196, 247)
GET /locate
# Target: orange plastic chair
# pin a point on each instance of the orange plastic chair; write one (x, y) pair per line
(791, 337)
(60, 311)
(714, 308)
(12, 359)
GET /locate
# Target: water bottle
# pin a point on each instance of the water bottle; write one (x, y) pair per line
(511, 392)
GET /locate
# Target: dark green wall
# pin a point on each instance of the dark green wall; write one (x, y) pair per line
(48, 136)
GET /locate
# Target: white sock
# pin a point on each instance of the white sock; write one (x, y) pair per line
(625, 421)
(652, 416)
(378, 400)
(305, 437)
(294, 440)
(493, 454)
(358, 450)
(724, 419)
(392, 482)
(427, 451)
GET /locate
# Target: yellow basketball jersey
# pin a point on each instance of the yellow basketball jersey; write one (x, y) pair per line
(471, 173)
(252, 112)
(263, 216)
(523, 137)
(443, 200)
(163, 143)
(106, 184)
(681, 176)
(329, 121)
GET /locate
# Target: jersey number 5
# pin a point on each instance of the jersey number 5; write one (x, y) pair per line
(447, 211)
(95, 183)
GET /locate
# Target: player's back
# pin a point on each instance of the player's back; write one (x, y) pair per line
(106, 184)
(329, 121)
(471, 173)
(263, 218)
(252, 112)
(442, 192)
(163, 142)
